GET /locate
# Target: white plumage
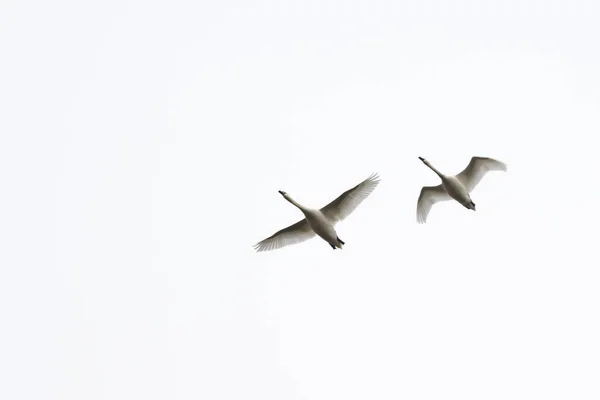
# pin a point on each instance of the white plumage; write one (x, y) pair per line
(320, 222)
(456, 187)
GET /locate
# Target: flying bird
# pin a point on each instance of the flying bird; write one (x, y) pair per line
(320, 222)
(455, 187)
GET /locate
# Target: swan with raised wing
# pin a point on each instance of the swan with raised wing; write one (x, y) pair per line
(320, 222)
(457, 187)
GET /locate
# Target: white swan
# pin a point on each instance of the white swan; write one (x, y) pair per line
(455, 187)
(320, 222)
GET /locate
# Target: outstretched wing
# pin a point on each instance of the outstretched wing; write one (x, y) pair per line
(477, 168)
(427, 198)
(293, 234)
(347, 202)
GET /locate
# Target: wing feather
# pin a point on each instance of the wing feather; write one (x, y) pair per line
(293, 234)
(476, 170)
(347, 202)
(427, 198)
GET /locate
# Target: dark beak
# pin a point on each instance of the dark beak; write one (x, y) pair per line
(281, 192)
(421, 158)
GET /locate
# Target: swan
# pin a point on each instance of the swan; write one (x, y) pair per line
(320, 222)
(455, 187)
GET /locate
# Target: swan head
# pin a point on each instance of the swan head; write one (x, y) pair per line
(281, 192)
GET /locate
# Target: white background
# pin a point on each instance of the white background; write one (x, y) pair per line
(142, 145)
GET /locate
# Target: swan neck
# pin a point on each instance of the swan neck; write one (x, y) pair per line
(434, 169)
(294, 202)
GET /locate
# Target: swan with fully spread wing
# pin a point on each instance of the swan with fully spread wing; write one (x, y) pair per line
(320, 222)
(455, 187)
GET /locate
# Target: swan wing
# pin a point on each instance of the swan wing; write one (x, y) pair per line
(347, 202)
(293, 234)
(477, 168)
(427, 198)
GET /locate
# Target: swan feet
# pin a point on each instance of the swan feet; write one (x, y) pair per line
(339, 240)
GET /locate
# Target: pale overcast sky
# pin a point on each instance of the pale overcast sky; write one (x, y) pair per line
(142, 147)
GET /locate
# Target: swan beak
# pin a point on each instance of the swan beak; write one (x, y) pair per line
(281, 192)
(421, 158)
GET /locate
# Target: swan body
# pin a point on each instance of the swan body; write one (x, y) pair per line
(457, 187)
(320, 222)
(457, 191)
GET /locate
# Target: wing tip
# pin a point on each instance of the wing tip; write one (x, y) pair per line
(374, 178)
(261, 246)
